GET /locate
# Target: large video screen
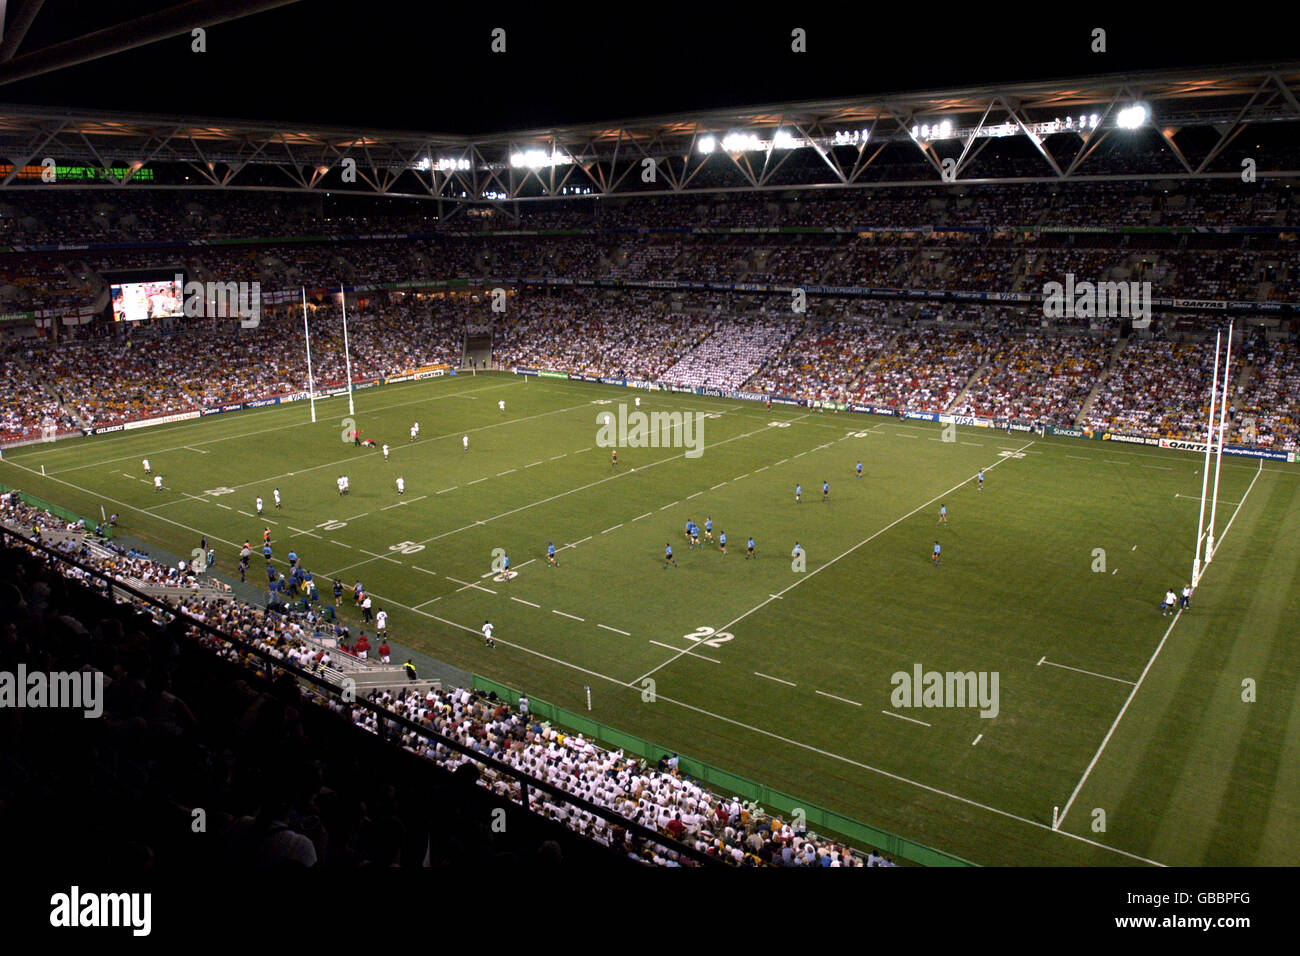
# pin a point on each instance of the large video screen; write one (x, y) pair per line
(140, 301)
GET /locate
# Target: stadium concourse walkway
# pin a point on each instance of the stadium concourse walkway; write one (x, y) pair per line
(428, 668)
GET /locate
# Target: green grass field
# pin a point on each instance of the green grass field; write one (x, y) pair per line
(1141, 714)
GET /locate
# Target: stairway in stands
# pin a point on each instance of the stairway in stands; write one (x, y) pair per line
(1086, 407)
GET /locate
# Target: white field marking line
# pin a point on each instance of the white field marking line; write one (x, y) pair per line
(764, 468)
(373, 555)
(421, 441)
(774, 736)
(200, 451)
(977, 740)
(738, 477)
(977, 444)
(646, 515)
(781, 462)
(522, 601)
(525, 564)
(1146, 670)
(690, 651)
(426, 571)
(341, 544)
(615, 528)
(299, 531)
(508, 472)
(901, 717)
(247, 515)
(1158, 467)
(717, 486)
(558, 457)
(445, 490)
(404, 502)
(561, 494)
(578, 542)
(530, 464)
(810, 574)
(581, 450)
(614, 629)
(427, 603)
(700, 710)
(1079, 457)
(1080, 670)
(696, 495)
(906, 436)
(220, 505)
(779, 680)
(666, 507)
(570, 616)
(1195, 498)
(841, 699)
(1112, 461)
(262, 431)
(477, 480)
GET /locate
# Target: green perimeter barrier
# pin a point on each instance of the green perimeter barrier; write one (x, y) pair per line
(63, 513)
(819, 819)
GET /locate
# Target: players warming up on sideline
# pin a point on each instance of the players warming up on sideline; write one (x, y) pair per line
(550, 554)
(722, 542)
(981, 484)
(401, 486)
(275, 493)
(668, 555)
(613, 458)
(1167, 605)
(1185, 602)
(259, 507)
(385, 452)
(465, 441)
(708, 529)
(749, 550)
(487, 634)
(502, 405)
(943, 514)
(859, 471)
(157, 482)
(415, 431)
(798, 494)
(826, 491)
(935, 555)
(147, 469)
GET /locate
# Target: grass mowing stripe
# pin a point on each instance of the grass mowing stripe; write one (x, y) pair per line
(1146, 670)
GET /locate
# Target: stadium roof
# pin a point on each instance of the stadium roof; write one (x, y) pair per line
(1053, 131)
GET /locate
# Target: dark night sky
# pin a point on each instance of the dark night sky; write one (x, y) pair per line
(427, 66)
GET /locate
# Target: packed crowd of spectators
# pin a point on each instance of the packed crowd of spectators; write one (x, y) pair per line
(1157, 388)
(1037, 378)
(661, 799)
(732, 354)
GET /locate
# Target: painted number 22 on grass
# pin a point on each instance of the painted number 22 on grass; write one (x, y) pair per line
(707, 635)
